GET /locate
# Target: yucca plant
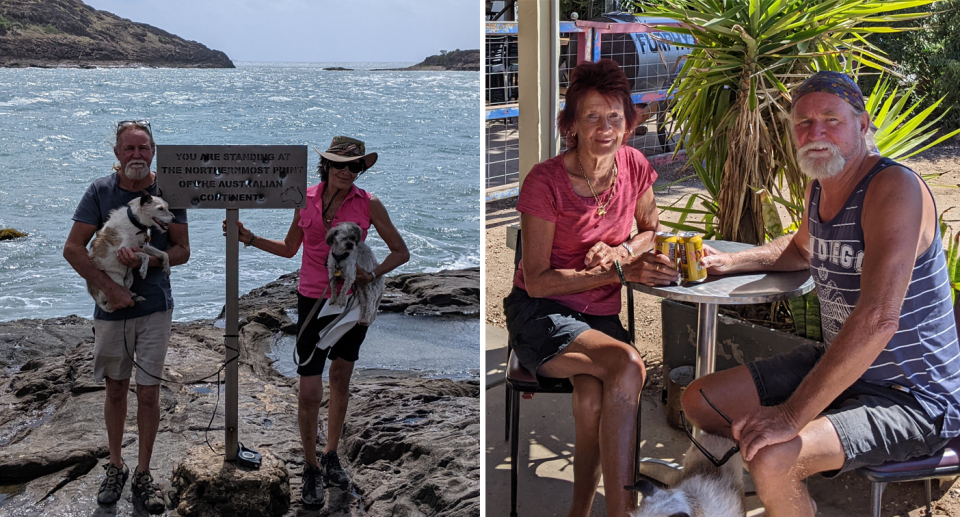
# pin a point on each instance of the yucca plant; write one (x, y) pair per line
(733, 91)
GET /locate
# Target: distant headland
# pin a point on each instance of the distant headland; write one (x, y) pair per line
(456, 60)
(71, 34)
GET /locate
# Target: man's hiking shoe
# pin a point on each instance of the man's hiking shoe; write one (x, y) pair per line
(311, 492)
(148, 493)
(333, 471)
(112, 484)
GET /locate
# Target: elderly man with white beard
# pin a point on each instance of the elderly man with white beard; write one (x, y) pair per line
(132, 331)
(883, 386)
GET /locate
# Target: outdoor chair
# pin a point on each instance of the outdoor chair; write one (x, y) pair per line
(520, 382)
(945, 463)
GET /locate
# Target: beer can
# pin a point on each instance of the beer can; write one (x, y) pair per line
(666, 243)
(690, 249)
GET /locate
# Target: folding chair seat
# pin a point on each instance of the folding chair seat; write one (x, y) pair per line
(520, 382)
(945, 463)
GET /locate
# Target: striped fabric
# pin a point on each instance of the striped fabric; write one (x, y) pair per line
(923, 358)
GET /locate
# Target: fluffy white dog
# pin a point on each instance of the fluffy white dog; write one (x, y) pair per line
(703, 489)
(127, 228)
(346, 252)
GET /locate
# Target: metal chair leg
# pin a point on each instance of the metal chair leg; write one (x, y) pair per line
(506, 411)
(514, 451)
(876, 497)
(926, 485)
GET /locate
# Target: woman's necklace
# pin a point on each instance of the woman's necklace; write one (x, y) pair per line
(601, 207)
(327, 205)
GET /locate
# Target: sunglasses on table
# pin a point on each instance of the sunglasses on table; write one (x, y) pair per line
(689, 430)
(145, 124)
(355, 167)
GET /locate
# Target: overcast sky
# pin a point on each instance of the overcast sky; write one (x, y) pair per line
(314, 30)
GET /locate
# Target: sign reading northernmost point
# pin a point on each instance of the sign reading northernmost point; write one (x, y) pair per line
(232, 176)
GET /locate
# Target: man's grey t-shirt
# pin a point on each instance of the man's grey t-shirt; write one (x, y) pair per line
(105, 196)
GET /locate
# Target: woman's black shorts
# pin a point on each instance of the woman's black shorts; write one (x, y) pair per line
(540, 328)
(347, 348)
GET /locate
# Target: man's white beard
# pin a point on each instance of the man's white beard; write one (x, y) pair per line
(134, 173)
(821, 168)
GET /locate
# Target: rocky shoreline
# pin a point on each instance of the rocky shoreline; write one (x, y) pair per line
(412, 444)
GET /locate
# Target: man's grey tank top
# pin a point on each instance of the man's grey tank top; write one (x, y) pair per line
(923, 357)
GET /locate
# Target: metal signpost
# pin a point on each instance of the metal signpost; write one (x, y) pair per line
(232, 177)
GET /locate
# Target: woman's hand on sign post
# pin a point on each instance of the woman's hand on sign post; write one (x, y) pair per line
(243, 235)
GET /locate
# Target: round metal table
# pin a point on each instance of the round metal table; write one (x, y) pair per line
(734, 289)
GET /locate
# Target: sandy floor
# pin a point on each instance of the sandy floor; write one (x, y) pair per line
(902, 499)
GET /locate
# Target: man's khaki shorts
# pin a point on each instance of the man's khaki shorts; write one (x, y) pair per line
(146, 341)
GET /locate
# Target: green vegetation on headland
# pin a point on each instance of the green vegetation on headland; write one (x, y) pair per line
(457, 60)
(69, 33)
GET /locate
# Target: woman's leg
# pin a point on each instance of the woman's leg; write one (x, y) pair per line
(340, 373)
(621, 371)
(308, 411)
(587, 403)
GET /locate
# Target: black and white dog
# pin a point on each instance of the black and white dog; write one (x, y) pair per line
(346, 252)
(128, 227)
(703, 489)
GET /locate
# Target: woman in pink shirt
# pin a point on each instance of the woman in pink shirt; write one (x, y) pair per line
(333, 201)
(577, 215)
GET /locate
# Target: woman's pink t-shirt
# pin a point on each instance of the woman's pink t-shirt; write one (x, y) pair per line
(547, 193)
(355, 208)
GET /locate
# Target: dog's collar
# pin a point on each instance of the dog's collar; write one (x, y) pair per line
(340, 256)
(133, 219)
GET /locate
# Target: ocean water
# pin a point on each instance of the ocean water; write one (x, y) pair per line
(57, 127)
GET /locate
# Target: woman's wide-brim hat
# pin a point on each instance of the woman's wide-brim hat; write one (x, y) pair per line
(346, 149)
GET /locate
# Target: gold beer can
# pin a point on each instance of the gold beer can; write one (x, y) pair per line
(666, 243)
(690, 249)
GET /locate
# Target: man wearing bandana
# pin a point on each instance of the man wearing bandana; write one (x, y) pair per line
(883, 386)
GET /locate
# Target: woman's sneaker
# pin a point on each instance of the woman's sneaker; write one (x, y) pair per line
(147, 493)
(311, 492)
(334, 472)
(112, 484)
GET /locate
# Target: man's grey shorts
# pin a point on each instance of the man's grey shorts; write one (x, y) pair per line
(875, 423)
(146, 341)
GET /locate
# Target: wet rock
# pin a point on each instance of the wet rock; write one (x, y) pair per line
(444, 292)
(23, 340)
(7, 234)
(207, 486)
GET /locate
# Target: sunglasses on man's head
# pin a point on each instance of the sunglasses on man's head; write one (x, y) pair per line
(144, 124)
(355, 167)
(689, 430)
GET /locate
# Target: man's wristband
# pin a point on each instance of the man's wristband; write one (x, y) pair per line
(616, 263)
(253, 237)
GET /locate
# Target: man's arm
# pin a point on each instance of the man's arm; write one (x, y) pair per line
(788, 253)
(891, 219)
(75, 251)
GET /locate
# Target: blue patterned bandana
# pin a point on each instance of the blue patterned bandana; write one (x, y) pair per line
(836, 83)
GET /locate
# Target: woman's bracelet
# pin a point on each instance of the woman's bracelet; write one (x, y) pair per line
(628, 248)
(616, 264)
(253, 237)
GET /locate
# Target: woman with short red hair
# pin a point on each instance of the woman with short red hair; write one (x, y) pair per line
(577, 215)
